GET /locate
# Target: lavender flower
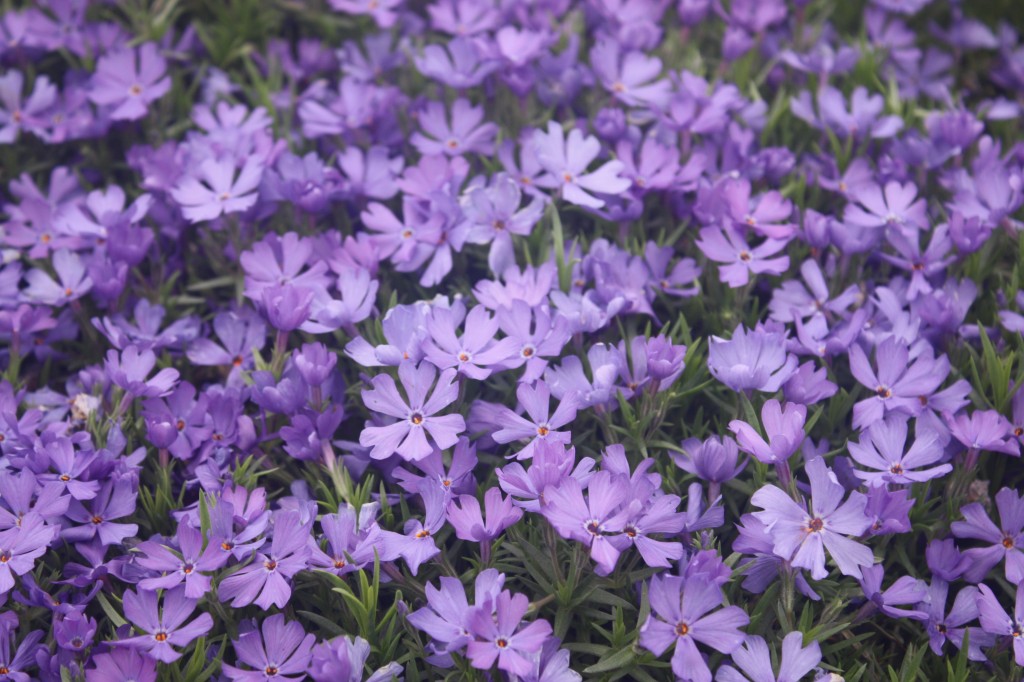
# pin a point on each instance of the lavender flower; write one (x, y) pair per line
(163, 628)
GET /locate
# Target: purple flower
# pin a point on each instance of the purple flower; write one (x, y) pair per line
(630, 77)
(542, 424)
(115, 500)
(588, 520)
(801, 536)
(949, 627)
(74, 632)
(467, 519)
(995, 620)
(1005, 542)
(384, 12)
(188, 564)
(343, 659)
(550, 466)
(498, 635)
(895, 208)
(755, 661)
(463, 135)
(20, 546)
(906, 590)
(417, 417)
(128, 80)
(751, 360)
(120, 665)
(417, 545)
(984, 430)
(725, 245)
(130, 369)
(23, 657)
(494, 216)
(566, 162)
(352, 540)
(445, 618)
(714, 459)
(783, 426)
(899, 383)
(473, 353)
(682, 613)
(265, 580)
(72, 285)
(881, 448)
(279, 650)
(162, 628)
(214, 190)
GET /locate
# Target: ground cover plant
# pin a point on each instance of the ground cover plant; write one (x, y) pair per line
(534, 340)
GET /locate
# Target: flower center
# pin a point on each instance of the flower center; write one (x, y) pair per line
(815, 525)
(593, 527)
(567, 177)
(187, 569)
(339, 563)
(543, 430)
(97, 520)
(227, 546)
(630, 531)
(135, 90)
(422, 533)
(1008, 542)
(65, 478)
(745, 256)
(941, 628)
(896, 468)
(160, 636)
(463, 356)
(76, 643)
(682, 630)
(5, 556)
(498, 224)
(501, 642)
(270, 670)
(180, 424)
(270, 565)
(884, 392)
(416, 418)
(528, 352)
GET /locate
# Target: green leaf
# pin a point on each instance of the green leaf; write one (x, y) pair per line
(618, 660)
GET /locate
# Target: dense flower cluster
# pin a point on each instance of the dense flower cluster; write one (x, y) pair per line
(511, 339)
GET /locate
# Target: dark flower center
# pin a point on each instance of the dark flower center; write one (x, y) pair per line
(745, 256)
(896, 468)
(339, 563)
(422, 533)
(528, 352)
(97, 520)
(815, 525)
(447, 482)
(5, 556)
(501, 642)
(76, 643)
(180, 424)
(135, 90)
(237, 362)
(160, 636)
(65, 478)
(630, 531)
(593, 527)
(682, 629)
(941, 628)
(416, 418)
(187, 569)
(270, 670)
(227, 546)
(1019, 431)
(1008, 542)
(498, 224)
(543, 430)
(883, 392)
(463, 356)
(270, 565)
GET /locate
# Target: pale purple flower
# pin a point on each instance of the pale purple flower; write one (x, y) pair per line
(881, 448)
(216, 190)
(162, 628)
(802, 536)
(751, 360)
(129, 80)
(683, 613)
(462, 134)
(755, 661)
(728, 247)
(1005, 542)
(416, 416)
(566, 161)
(784, 427)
